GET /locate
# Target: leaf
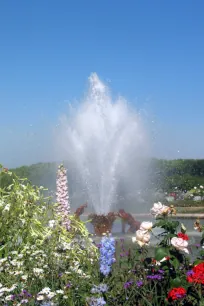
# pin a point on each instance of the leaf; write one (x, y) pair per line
(160, 223)
(175, 262)
(198, 261)
(183, 228)
(160, 253)
(175, 224)
(176, 282)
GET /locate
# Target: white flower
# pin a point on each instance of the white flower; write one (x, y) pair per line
(24, 301)
(159, 209)
(45, 290)
(40, 297)
(60, 291)
(51, 223)
(7, 207)
(4, 289)
(8, 298)
(14, 252)
(146, 226)
(158, 263)
(51, 295)
(195, 188)
(142, 237)
(201, 186)
(12, 288)
(180, 244)
(38, 271)
(24, 277)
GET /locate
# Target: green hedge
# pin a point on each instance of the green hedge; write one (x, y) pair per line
(188, 203)
(163, 174)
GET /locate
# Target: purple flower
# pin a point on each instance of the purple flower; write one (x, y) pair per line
(103, 287)
(128, 284)
(139, 283)
(155, 276)
(107, 254)
(96, 301)
(105, 269)
(180, 296)
(161, 271)
(99, 289)
(189, 273)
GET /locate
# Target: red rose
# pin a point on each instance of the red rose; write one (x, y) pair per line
(176, 293)
(197, 275)
(183, 236)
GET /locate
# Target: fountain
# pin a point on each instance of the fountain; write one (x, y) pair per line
(106, 143)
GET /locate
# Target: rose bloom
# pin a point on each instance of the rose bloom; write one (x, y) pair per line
(159, 209)
(146, 226)
(142, 237)
(183, 236)
(176, 293)
(180, 244)
(197, 275)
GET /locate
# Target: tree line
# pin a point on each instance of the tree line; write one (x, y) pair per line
(163, 175)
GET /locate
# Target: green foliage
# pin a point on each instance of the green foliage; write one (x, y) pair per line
(34, 255)
(182, 173)
(54, 264)
(163, 174)
(23, 213)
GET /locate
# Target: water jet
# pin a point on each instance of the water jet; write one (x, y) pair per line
(106, 143)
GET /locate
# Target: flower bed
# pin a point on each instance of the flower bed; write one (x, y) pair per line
(45, 262)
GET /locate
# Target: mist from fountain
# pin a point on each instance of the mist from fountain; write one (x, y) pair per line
(106, 142)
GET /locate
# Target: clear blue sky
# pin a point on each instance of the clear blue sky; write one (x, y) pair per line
(152, 51)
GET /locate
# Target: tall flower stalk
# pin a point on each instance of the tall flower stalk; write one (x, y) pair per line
(107, 254)
(62, 197)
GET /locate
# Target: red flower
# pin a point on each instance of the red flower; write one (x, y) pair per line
(197, 275)
(176, 293)
(183, 236)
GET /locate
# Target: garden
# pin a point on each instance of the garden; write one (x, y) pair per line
(48, 257)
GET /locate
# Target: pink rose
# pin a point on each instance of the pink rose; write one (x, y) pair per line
(146, 226)
(180, 244)
(142, 237)
(159, 209)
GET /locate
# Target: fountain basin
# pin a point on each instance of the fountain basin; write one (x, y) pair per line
(102, 224)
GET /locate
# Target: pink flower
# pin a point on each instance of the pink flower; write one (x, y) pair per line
(146, 226)
(62, 196)
(180, 244)
(159, 209)
(142, 237)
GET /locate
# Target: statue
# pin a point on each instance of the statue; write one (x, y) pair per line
(80, 210)
(127, 218)
(102, 223)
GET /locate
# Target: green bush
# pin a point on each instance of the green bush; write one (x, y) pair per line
(36, 252)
